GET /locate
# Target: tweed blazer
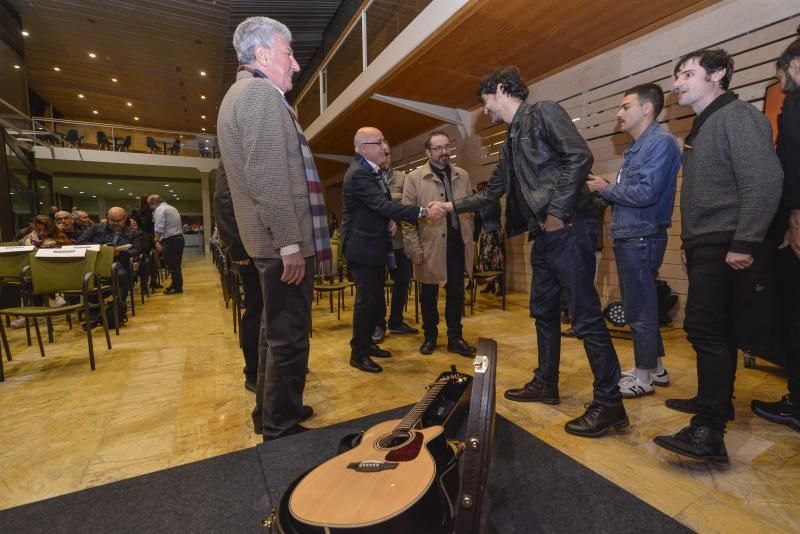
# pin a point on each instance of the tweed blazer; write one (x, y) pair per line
(264, 163)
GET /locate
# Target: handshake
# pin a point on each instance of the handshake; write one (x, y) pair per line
(437, 209)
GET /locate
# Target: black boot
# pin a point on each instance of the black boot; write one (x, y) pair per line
(690, 406)
(697, 442)
(534, 391)
(597, 419)
(783, 412)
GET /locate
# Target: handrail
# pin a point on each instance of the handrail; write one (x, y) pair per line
(12, 108)
(123, 127)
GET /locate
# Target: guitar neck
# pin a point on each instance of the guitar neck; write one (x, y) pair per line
(412, 417)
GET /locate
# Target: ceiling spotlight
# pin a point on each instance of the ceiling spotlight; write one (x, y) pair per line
(177, 198)
(136, 118)
(81, 192)
(95, 111)
(25, 33)
(129, 104)
(94, 196)
(92, 55)
(130, 194)
(109, 183)
(17, 67)
(202, 73)
(57, 69)
(203, 129)
(203, 97)
(66, 187)
(114, 80)
(80, 95)
(166, 185)
(202, 116)
(122, 189)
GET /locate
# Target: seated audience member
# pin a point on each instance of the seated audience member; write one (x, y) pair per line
(81, 219)
(115, 233)
(45, 234)
(66, 223)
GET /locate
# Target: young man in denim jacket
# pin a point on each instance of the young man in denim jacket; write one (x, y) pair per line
(642, 198)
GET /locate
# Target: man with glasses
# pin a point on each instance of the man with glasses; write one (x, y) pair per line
(66, 223)
(543, 164)
(367, 233)
(440, 249)
(115, 232)
(168, 240)
(401, 275)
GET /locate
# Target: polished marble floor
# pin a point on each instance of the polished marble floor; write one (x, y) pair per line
(171, 392)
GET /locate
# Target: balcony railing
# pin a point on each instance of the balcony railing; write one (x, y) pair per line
(378, 24)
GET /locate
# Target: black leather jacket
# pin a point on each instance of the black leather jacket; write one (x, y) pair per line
(549, 160)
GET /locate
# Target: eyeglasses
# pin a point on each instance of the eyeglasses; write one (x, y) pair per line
(378, 142)
(63, 218)
(116, 221)
(442, 148)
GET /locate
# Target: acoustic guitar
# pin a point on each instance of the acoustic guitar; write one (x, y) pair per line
(399, 478)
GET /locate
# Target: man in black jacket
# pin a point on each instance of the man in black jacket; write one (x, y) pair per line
(367, 233)
(543, 164)
(785, 230)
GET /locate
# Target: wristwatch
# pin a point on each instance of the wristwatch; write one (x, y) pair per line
(423, 212)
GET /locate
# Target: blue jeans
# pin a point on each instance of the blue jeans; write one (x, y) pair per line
(564, 261)
(638, 261)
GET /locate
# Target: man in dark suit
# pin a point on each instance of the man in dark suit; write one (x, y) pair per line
(367, 234)
(277, 202)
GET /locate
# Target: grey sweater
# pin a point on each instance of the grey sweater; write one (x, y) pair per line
(732, 180)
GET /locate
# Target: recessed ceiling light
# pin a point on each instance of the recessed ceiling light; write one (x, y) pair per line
(94, 196)
(136, 118)
(95, 111)
(202, 73)
(202, 116)
(166, 185)
(122, 189)
(203, 129)
(129, 104)
(57, 69)
(17, 67)
(203, 97)
(130, 194)
(41, 187)
(80, 95)
(25, 33)
(177, 198)
(109, 183)
(92, 55)
(66, 187)
(81, 192)
(114, 80)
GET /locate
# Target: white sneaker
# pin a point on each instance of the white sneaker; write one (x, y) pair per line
(631, 387)
(660, 379)
(18, 323)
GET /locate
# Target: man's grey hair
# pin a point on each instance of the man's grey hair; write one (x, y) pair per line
(255, 32)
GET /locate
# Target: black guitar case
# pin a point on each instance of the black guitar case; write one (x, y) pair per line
(472, 504)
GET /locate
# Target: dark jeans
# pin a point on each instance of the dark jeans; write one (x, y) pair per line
(638, 261)
(402, 279)
(283, 348)
(787, 270)
(251, 319)
(564, 261)
(172, 256)
(369, 302)
(716, 291)
(454, 293)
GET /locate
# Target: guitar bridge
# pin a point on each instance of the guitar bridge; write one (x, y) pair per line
(371, 467)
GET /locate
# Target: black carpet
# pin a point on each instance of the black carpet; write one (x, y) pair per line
(533, 488)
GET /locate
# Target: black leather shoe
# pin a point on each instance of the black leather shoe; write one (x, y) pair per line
(459, 346)
(696, 442)
(597, 420)
(375, 350)
(296, 429)
(534, 391)
(365, 364)
(378, 334)
(783, 412)
(403, 328)
(306, 413)
(690, 406)
(428, 346)
(172, 291)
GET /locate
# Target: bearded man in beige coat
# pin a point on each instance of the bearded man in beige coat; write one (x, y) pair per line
(441, 250)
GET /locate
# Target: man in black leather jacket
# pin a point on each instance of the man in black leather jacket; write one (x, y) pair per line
(543, 164)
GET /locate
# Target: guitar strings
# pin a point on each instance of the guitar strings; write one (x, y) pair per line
(415, 414)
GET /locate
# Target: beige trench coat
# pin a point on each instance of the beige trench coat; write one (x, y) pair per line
(429, 237)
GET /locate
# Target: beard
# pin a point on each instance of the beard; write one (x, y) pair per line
(789, 84)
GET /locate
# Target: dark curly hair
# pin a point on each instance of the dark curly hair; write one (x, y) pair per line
(792, 52)
(712, 60)
(509, 78)
(649, 92)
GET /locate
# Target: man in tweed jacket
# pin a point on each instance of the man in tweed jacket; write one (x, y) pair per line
(262, 155)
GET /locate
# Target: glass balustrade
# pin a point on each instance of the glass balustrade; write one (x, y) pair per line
(308, 106)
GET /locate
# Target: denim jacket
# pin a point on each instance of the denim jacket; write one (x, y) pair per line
(644, 194)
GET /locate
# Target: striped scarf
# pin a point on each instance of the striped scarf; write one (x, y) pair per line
(319, 217)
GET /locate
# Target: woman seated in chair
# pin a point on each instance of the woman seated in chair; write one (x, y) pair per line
(45, 234)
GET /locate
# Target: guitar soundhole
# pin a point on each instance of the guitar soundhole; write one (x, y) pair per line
(395, 439)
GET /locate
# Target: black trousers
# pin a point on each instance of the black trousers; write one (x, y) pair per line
(369, 302)
(787, 270)
(172, 255)
(402, 279)
(283, 348)
(251, 319)
(716, 293)
(454, 292)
